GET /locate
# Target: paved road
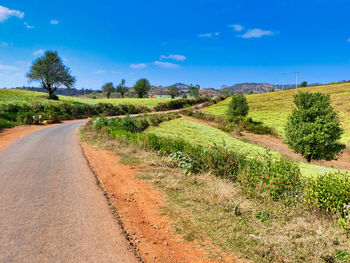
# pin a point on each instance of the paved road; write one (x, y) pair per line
(51, 209)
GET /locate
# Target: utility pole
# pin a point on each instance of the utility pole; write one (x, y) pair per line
(283, 76)
(296, 84)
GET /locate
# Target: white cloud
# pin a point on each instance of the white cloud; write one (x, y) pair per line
(165, 64)
(99, 71)
(256, 33)
(209, 34)
(28, 26)
(7, 68)
(38, 52)
(138, 66)
(174, 57)
(54, 22)
(237, 27)
(6, 13)
(349, 40)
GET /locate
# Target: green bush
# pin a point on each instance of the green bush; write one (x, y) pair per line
(281, 179)
(223, 163)
(179, 103)
(239, 122)
(255, 127)
(133, 124)
(6, 124)
(237, 108)
(329, 192)
(26, 118)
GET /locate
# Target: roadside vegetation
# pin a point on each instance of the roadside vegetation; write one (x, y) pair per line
(25, 107)
(262, 207)
(204, 135)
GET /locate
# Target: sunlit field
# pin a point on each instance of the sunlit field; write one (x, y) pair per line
(273, 108)
(23, 96)
(205, 135)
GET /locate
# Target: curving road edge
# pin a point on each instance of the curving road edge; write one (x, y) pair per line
(51, 209)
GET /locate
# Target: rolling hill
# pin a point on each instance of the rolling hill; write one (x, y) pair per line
(273, 108)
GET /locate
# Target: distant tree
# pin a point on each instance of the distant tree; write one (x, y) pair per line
(303, 84)
(173, 91)
(250, 92)
(142, 87)
(107, 89)
(313, 128)
(193, 90)
(238, 107)
(121, 88)
(51, 73)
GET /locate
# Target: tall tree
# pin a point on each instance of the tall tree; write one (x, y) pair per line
(173, 91)
(194, 90)
(313, 128)
(121, 88)
(51, 73)
(107, 89)
(142, 87)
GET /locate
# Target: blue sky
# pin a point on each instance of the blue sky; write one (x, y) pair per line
(206, 42)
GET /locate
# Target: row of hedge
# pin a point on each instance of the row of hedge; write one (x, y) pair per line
(181, 103)
(244, 123)
(260, 178)
(133, 124)
(14, 114)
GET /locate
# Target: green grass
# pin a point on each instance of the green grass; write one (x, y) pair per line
(23, 96)
(205, 135)
(273, 108)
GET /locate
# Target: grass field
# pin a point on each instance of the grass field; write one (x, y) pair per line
(273, 108)
(205, 135)
(23, 96)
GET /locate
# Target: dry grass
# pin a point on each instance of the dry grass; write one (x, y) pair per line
(206, 208)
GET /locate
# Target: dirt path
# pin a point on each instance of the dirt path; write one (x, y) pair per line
(138, 207)
(51, 209)
(277, 144)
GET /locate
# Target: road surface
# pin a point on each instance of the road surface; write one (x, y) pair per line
(51, 209)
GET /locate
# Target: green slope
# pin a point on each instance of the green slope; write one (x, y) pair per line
(205, 135)
(273, 108)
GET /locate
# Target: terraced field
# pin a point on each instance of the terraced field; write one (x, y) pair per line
(205, 135)
(273, 108)
(23, 96)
